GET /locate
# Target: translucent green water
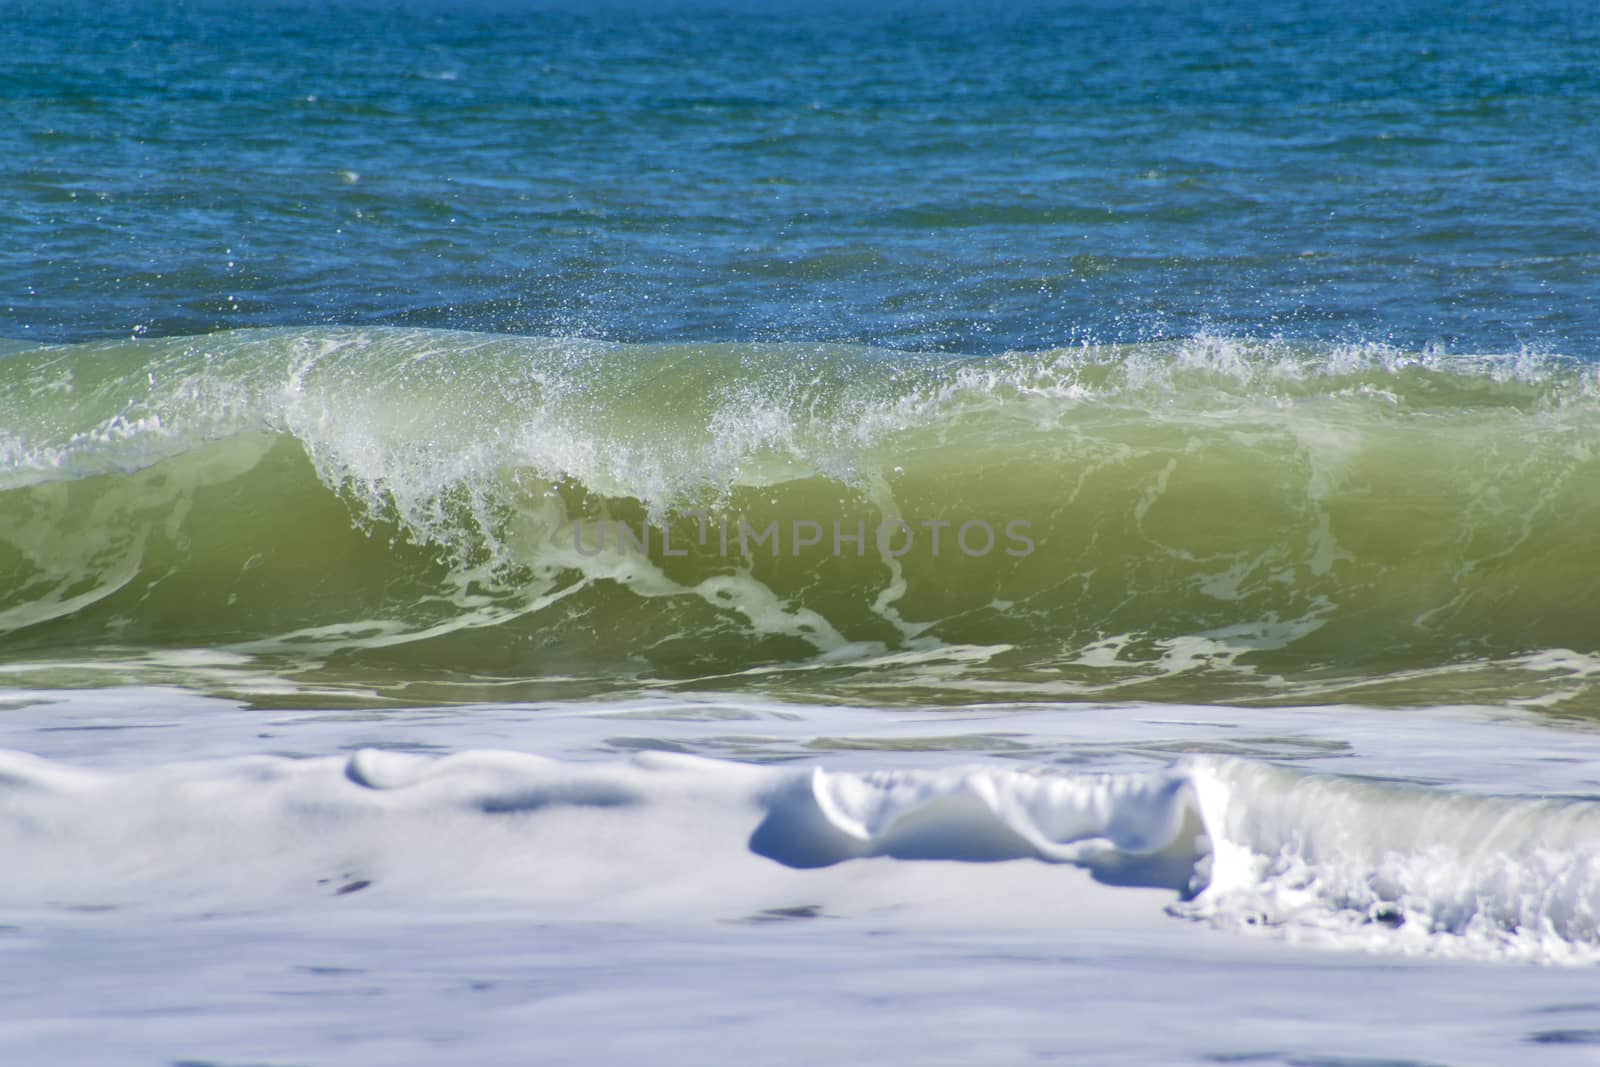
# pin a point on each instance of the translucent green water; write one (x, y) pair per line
(444, 513)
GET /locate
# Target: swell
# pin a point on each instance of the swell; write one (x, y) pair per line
(1242, 521)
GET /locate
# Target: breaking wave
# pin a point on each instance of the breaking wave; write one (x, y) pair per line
(1238, 521)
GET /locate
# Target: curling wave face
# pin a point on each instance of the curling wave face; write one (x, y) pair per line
(1239, 521)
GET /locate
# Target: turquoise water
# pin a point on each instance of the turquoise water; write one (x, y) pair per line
(1271, 331)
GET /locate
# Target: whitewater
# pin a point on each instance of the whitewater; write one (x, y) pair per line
(670, 875)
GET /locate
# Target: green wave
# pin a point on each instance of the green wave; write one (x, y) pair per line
(418, 515)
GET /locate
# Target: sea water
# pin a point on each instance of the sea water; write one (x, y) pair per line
(539, 532)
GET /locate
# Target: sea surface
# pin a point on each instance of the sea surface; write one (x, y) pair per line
(952, 530)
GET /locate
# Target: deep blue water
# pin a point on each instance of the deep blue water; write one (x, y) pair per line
(971, 178)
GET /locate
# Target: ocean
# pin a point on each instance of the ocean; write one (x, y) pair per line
(983, 533)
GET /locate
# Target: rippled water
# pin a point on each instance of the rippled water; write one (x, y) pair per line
(958, 177)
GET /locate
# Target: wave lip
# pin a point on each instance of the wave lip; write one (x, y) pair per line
(1239, 844)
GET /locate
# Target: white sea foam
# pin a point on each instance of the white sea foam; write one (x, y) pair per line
(169, 893)
(1236, 843)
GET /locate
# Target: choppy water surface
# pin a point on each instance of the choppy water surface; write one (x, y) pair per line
(958, 177)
